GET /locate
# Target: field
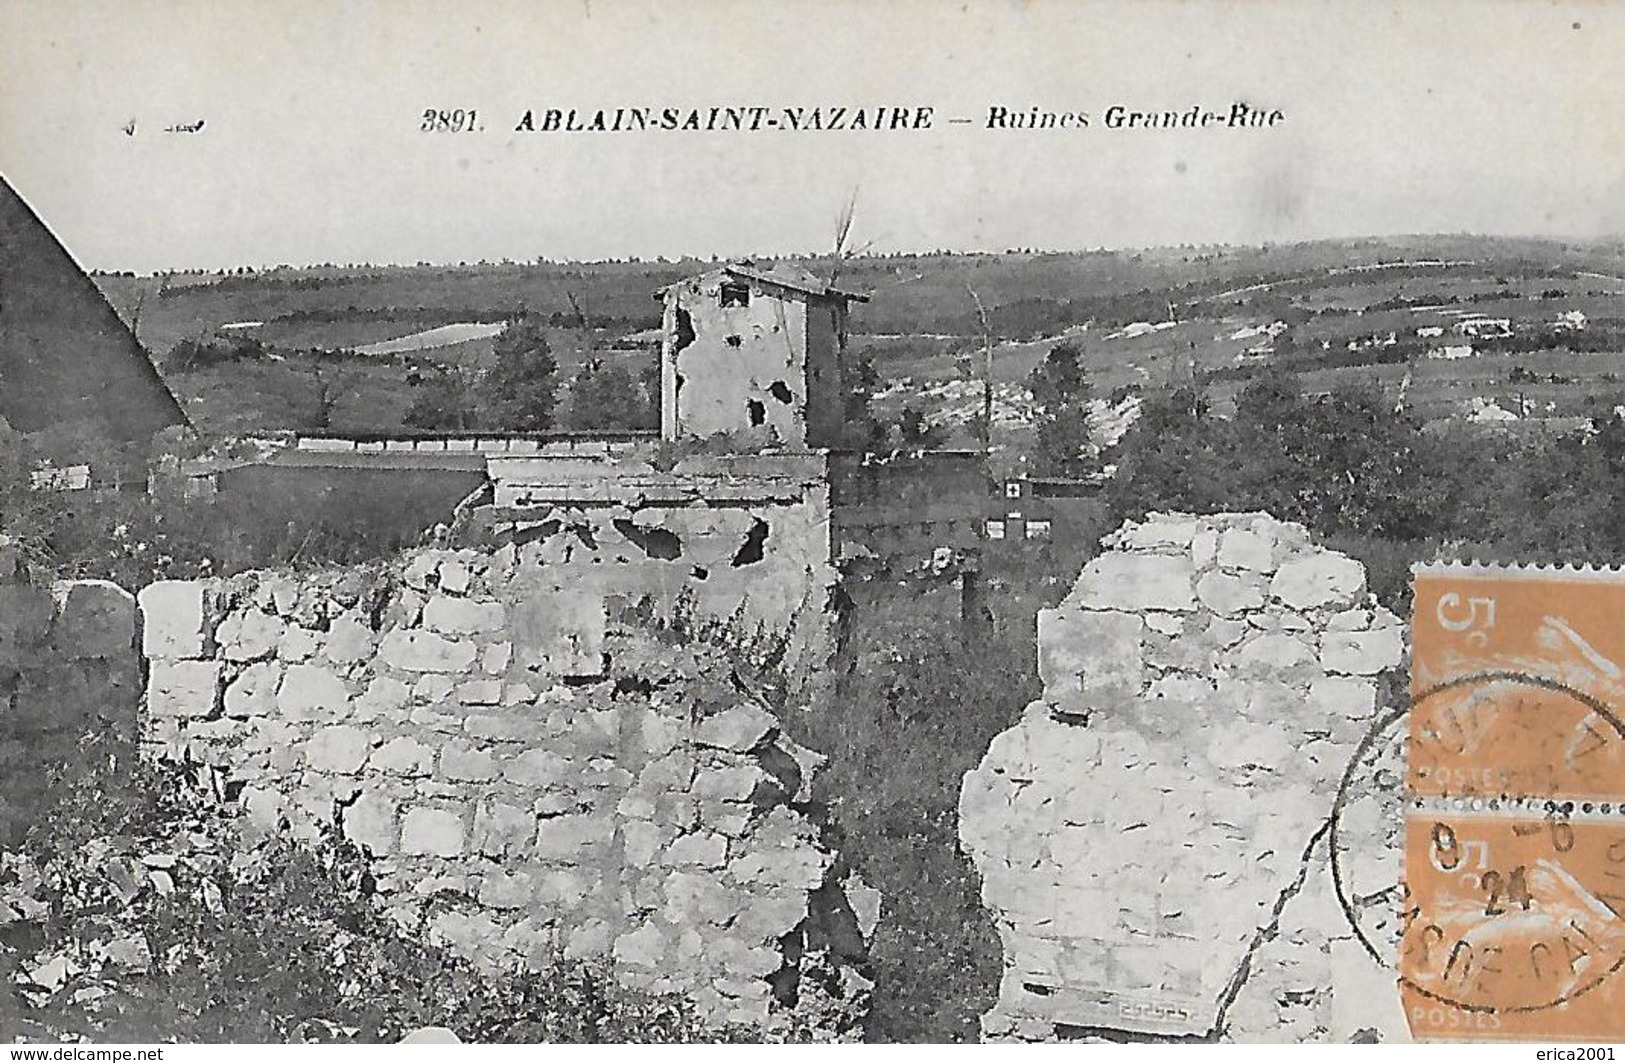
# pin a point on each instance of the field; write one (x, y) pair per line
(1145, 320)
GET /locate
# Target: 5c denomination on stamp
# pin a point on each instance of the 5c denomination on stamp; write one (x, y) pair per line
(1514, 884)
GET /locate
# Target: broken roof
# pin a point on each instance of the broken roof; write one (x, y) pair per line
(782, 275)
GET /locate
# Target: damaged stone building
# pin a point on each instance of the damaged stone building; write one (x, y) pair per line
(746, 349)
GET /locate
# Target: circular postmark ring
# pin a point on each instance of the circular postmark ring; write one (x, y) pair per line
(1378, 733)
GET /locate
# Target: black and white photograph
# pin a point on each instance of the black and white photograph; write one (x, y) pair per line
(769, 522)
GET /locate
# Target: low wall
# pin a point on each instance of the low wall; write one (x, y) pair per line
(528, 776)
(1153, 836)
(68, 666)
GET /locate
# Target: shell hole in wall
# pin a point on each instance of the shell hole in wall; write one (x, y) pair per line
(657, 543)
(756, 412)
(750, 551)
(735, 340)
(685, 331)
(781, 391)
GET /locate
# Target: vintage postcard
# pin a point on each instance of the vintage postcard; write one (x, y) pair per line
(763, 521)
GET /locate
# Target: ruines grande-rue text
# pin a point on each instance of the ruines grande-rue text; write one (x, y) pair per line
(837, 118)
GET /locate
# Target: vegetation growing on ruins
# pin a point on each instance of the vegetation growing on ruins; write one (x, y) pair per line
(913, 707)
(140, 909)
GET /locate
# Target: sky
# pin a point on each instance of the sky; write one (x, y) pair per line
(1491, 116)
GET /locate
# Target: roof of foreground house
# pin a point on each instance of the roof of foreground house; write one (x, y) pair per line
(65, 355)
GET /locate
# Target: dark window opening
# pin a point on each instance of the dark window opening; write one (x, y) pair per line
(658, 543)
(756, 412)
(734, 294)
(750, 551)
(781, 391)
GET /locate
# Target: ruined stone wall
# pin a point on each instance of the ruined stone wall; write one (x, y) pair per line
(529, 776)
(68, 666)
(1153, 835)
(735, 544)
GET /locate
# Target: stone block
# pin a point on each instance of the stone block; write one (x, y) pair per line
(1231, 595)
(1137, 582)
(311, 692)
(503, 727)
(800, 865)
(570, 839)
(455, 577)
(403, 756)
(425, 651)
(183, 688)
(501, 829)
(1319, 581)
(540, 768)
(172, 619)
(369, 821)
(385, 698)
(429, 831)
(480, 692)
(1089, 658)
(463, 616)
(506, 891)
(253, 693)
(737, 730)
(495, 657)
(644, 947)
(298, 644)
(1270, 654)
(348, 640)
(1204, 548)
(419, 569)
(341, 750)
(737, 783)
(466, 764)
(704, 849)
(1343, 698)
(1246, 548)
(1361, 652)
(561, 631)
(1160, 533)
(248, 635)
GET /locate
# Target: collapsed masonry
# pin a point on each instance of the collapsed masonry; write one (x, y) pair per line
(530, 776)
(1153, 835)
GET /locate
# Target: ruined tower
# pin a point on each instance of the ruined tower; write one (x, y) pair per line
(752, 351)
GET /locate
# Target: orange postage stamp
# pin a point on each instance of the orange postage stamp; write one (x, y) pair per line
(1511, 921)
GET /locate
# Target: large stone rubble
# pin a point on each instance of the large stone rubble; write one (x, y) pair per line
(529, 777)
(1152, 836)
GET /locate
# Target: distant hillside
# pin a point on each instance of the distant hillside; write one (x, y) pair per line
(1146, 318)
